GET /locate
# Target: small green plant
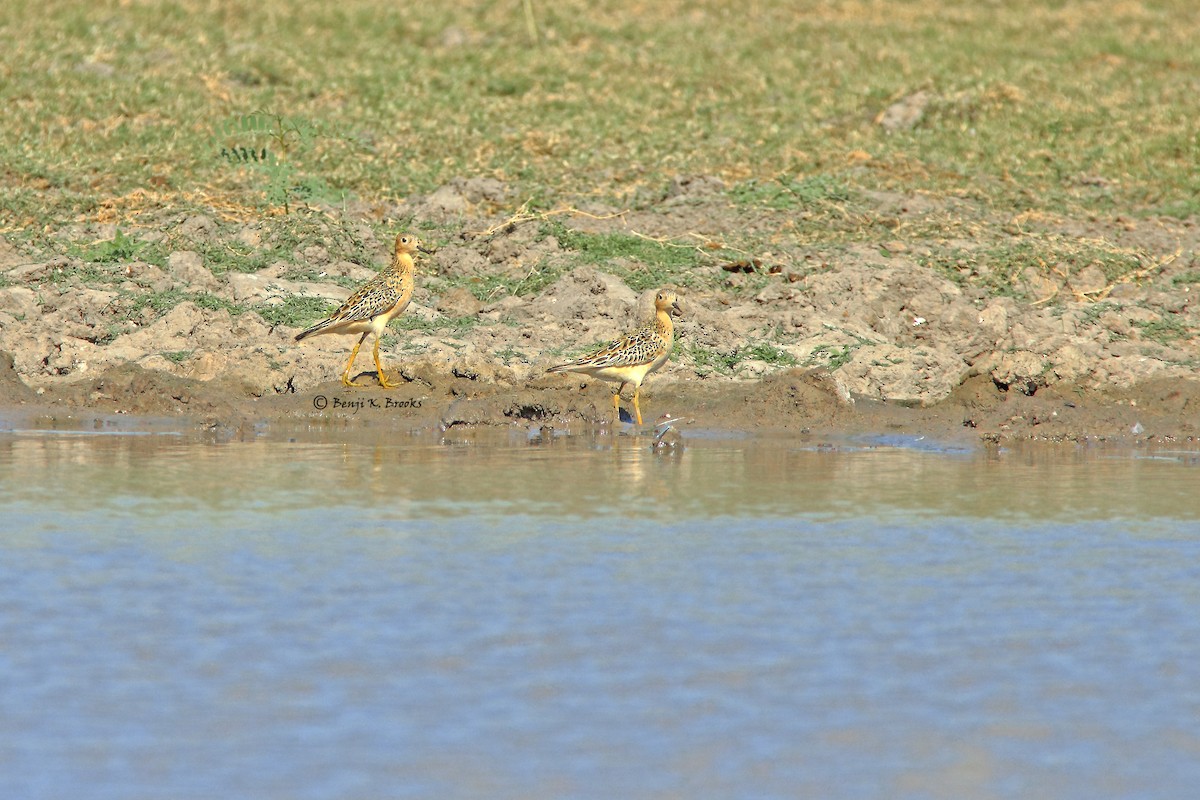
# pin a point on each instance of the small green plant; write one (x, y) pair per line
(835, 356)
(764, 351)
(831, 356)
(274, 142)
(1191, 276)
(118, 248)
(178, 356)
(707, 360)
(509, 353)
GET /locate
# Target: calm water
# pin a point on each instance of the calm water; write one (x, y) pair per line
(355, 617)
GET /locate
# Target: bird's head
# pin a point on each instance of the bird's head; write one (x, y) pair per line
(409, 244)
(667, 301)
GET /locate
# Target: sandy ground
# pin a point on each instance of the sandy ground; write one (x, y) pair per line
(1081, 359)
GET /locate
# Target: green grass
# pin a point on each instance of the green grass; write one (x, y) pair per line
(492, 287)
(640, 262)
(143, 308)
(1092, 313)
(834, 356)
(620, 87)
(295, 311)
(1165, 331)
(791, 193)
(707, 360)
(831, 356)
(120, 112)
(999, 267)
(315, 275)
(87, 274)
(1181, 209)
(131, 309)
(769, 353)
(151, 305)
(233, 256)
(454, 327)
(284, 239)
(510, 354)
(565, 353)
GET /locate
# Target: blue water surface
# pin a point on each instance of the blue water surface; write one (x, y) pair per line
(594, 620)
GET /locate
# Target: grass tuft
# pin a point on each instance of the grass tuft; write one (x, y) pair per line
(295, 311)
(788, 194)
(640, 262)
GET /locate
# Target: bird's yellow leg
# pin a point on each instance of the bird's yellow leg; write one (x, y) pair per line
(353, 355)
(637, 390)
(617, 401)
(383, 381)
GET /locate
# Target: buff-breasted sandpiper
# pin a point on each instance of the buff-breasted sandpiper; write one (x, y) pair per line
(376, 303)
(630, 359)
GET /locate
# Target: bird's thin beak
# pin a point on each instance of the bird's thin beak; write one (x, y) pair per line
(427, 250)
(676, 311)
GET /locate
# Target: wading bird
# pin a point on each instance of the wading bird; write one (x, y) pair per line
(376, 303)
(633, 357)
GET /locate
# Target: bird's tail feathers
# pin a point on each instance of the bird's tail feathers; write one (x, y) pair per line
(315, 329)
(568, 367)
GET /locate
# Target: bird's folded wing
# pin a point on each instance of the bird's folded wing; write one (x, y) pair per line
(638, 347)
(368, 302)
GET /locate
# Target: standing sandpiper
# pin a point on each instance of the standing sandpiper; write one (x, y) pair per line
(376, 303)
(633, 357)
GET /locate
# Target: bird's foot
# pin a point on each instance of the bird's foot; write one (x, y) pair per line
(385, 382)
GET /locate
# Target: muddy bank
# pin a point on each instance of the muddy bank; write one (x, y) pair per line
(915, 329)
(811, 403)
